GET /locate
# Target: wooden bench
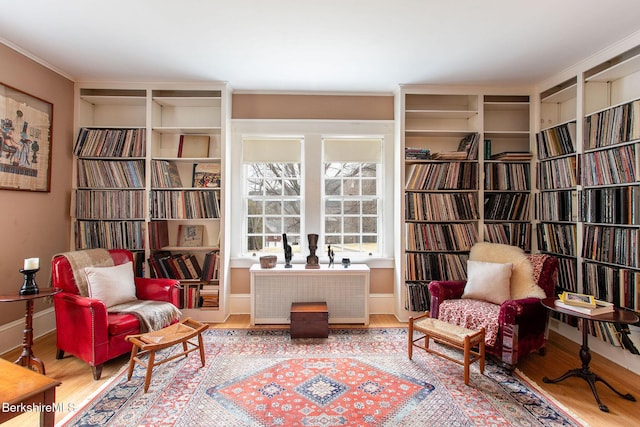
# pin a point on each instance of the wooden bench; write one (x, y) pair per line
(149, 343)
(309, 320)
(450, 335)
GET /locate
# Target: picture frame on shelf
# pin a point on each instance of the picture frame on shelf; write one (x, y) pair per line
(206, 175)
(190, 235)
(25, 141)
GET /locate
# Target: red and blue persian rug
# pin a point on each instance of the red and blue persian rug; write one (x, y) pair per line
(356, 377)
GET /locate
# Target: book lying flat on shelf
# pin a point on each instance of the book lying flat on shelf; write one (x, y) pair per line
(193, 146)
(512, 155)
(601, 307)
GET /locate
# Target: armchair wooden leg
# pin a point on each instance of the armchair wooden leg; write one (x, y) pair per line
(410, 336)
(97, 372)
(59, 354)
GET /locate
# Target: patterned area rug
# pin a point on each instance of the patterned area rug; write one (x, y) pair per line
(356, 377)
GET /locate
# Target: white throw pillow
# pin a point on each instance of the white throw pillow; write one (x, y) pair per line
(488, 281)
(112, 285)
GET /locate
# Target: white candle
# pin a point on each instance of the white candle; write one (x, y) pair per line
(31, 263)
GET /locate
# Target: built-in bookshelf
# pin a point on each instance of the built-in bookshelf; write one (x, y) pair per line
(149, 178)
(507, 157)
(610, 165)
(441, 173)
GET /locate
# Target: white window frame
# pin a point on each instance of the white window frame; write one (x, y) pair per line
(312, 133)
(360, 151)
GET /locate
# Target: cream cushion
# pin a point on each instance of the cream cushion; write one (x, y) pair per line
(488, 281)
(112, 285)
(522, 280)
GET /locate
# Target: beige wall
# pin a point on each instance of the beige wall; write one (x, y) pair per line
(35, 224)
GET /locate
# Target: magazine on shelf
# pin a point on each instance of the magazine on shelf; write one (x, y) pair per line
(206, 175)
(578, 300)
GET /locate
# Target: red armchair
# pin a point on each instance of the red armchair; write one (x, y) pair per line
(85, 328)
(522, 323)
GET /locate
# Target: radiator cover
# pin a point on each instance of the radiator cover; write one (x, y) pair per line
(345, 290)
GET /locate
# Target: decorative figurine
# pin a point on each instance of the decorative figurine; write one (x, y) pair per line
(331, 256)
(312, 259)
(346, 262)
(287, 251)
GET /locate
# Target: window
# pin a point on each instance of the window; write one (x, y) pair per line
(351, 197)
(273, 194)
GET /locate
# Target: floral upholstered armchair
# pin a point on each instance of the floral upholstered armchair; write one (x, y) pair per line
(102, 302)
(502, 293)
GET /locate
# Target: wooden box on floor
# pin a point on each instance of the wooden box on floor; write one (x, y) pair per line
(309, 320)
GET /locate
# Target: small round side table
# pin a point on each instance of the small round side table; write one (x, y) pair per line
(27, 358)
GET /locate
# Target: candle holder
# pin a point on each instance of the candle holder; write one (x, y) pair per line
(29, 287)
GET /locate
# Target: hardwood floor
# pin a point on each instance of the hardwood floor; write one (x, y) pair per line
(562, 354)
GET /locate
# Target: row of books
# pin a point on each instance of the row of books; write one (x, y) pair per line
(165, 174)
(611, 205)
(111, 174)
(441, 237)
(613, 126)
(567, 273)
(442, 176)
(174, 266)
(436, 266)
(184, 266)
(557, 173)
(612, 333)
(557, 238)
(507, 176)
(188, 204)
(557, 141)
(110, 204)
(557, 205)
(109, 234)
(507, 206)
(92, 142)
(614, 245)
(417, 296)
(514, 234)
(441, 206)
(614, 166)
(619, 286)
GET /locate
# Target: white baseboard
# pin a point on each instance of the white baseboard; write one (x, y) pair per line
(11, 334)
(378, 304)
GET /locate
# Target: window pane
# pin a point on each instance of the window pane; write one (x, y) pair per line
(369, 170)
(352, 207)
(369, 224)
(254, 225)
(273, 224)
(291, 225)
(291, 187)
(291, 207)
(351, 243)
(370, 207)
(351, 187)
(254, 243)
(255, 171)
(369, 187)
(333, 224)
(273, 207)
(352, 224)
(332, 170)
(254, 207)
(332, 187)
(332, 207)
(290, 170)
(255, 187)
(273, 187)
(332, 240)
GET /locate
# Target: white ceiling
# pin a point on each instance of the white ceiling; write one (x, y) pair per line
(322, 45)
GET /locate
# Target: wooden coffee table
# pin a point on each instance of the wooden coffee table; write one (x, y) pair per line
(24, 390)
(149, 343)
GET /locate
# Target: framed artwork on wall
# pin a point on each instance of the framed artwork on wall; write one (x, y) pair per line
(25, 141)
